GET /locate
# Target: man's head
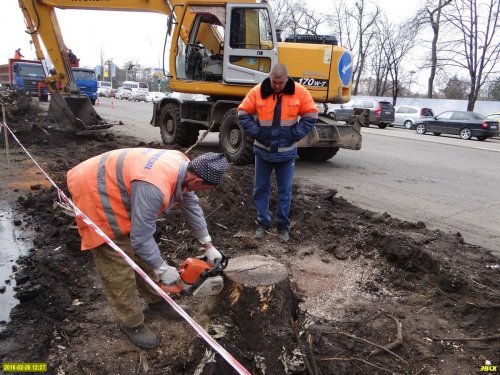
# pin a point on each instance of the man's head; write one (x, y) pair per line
(206, 171)
(278, 77)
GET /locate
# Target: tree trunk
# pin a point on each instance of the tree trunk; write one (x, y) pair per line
(262, 305)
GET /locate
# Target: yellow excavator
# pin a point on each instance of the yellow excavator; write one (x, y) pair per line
(219, 50)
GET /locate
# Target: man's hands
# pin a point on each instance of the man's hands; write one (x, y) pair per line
(211, 253)
(167, 274)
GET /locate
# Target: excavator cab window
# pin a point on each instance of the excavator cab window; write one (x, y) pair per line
(200, 57)
(251, 30)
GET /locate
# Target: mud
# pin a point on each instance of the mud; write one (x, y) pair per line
(356, 275)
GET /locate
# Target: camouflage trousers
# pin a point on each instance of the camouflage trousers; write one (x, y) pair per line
(121, 283)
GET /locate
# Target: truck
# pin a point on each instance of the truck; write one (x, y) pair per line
(87, 82)
(24, 76)
(239, 44)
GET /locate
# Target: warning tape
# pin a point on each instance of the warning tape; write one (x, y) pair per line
(78, 213)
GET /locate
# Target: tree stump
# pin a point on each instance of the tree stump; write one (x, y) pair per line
(261, 301)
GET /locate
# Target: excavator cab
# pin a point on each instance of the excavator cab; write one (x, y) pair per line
(223, 44)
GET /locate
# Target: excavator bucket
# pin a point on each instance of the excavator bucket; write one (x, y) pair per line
(343, 134)
(350, 137)
(74, 113)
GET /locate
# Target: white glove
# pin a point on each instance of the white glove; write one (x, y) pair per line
(167, 274)
(212, 254)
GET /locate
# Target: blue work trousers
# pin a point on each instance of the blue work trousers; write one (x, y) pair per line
(262, 190)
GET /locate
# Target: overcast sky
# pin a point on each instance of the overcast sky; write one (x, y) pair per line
(125, 36)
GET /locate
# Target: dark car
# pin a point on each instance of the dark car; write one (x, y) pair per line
(381, 111)
(463, 123)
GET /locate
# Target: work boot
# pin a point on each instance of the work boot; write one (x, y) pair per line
(142, 336)
(164, 309)
(260, 232)
(283, 234)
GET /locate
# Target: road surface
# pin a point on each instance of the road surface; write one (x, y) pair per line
(448, 183)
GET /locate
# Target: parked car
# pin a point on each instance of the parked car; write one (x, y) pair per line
(462, 123)
(138, 96)
(111, 93)
(122, 93)
(406, 115)
(493, 116)
(381, 111)
(154, 96)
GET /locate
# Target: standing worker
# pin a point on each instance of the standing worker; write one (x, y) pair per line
(278, 102)
(123, 192)
(73, 60)
(17, 54)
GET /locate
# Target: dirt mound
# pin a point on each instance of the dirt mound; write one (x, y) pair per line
(21, 111)
(362, 280)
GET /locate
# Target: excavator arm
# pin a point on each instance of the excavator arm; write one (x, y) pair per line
(69, 110)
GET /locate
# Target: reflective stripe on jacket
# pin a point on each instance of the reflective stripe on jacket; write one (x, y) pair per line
(100, 187)
(277, 141)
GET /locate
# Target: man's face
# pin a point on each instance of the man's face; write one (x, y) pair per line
(278, 83)
(193, 182)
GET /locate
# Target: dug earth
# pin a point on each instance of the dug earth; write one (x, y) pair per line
(370, 294)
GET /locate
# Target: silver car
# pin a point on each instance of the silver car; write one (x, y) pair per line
(407, 116)
(137, 96)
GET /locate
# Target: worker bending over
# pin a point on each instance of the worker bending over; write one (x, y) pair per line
(123, 192)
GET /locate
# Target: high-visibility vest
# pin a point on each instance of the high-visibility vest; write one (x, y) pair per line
(101, 186)
(292, 106)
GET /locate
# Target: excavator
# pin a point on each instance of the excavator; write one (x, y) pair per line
(219, 50)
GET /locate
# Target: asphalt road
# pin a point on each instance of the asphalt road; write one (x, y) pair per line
(448, 183)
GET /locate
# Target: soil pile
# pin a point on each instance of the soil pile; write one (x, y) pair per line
(374, 294)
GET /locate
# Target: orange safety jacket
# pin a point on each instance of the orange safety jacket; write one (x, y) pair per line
(100, 187)
(280, 137)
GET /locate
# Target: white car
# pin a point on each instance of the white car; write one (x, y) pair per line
(154, 96)
(122, 93)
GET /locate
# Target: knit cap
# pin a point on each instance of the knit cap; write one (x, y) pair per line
(210, 167)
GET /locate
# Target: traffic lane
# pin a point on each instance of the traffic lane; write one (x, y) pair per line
(491, 144)
(135, 117)
(450, 188)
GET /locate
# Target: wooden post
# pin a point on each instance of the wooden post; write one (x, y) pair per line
(6, 132)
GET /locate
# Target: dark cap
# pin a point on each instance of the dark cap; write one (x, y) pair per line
(210, 167)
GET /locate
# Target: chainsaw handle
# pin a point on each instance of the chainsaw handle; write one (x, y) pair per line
(220, 264)
(218, 267)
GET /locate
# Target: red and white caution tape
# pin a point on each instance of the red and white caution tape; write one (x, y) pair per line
(78, 213)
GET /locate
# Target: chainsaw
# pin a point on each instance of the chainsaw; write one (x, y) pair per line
(198, 278)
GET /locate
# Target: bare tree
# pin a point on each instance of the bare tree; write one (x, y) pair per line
(431, 14)
(396, 42)
(477, 49)
(365, 22)
(294, 17)
(339, 22)
(357, 24)
(380, 69)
